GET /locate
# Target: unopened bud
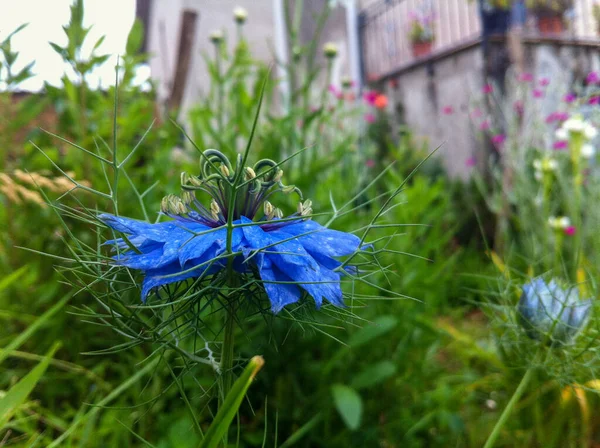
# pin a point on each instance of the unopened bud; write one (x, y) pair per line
(268, 209)
(250, 174)
(330, 50)
(164, 204)
(216, 37)
(187, 197)
(240, 15)
(278, 213)
(214, 209)
(224, 170)
(193, 180)
(305, 209)
(288, 189)
(278, 176)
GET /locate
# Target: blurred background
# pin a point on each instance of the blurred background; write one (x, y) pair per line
(371, 87)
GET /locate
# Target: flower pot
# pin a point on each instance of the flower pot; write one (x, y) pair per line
(550, 24)
(420, 49)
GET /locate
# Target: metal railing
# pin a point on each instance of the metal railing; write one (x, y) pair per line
(384, 28)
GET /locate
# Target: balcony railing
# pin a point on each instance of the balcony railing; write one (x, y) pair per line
(385, 26)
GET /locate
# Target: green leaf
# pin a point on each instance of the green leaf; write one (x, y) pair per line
(12, 277)
(229, 409)
(349, 404)
(22, 337)
(135, 38)
(374, 374)
(379, 327)
(17, 394)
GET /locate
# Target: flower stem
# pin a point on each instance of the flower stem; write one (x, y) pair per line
(227, 355)
(509, 407)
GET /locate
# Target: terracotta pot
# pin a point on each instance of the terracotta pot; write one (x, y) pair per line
(420, 49)
(550, 24)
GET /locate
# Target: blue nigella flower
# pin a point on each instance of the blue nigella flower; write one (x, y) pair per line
(291, 256)
(547, 312)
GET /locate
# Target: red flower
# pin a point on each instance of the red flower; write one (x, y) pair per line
(381, 102)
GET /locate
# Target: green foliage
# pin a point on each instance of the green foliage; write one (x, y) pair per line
(424, 371)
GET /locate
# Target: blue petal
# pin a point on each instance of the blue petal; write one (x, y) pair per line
(156, 277)
(322, 240)
(280, 294)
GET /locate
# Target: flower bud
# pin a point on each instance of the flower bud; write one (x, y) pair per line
(214, 209)
(278, 176)
(347, 82)
(164, 205)
(278, 213)
(549, 313)
(250, 174)
(559, 223)
(240, 15)
(193, 180)
(224, 170)
(296, 53)
(288, 189)
(305, 209)
(216, 37)
(187, 197)
(268, 209)
(330, 50)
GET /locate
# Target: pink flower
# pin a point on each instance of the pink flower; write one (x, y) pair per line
(471, 162)
(593, 78)
(476, 113)
(448, 110)
(525, 77)
(570, 230)
(370, 96)
(557, 116)
(570, 98)
(485, 125)
(538, 93)
(370, 163)
(498, 139)
(332, 88)
(370, 118)
(560, 144)
(595, 100)
(488, 88)
(544, 82)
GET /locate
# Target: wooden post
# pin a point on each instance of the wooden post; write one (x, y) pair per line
(187, 36)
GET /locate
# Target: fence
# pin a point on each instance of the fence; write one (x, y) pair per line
(384, 28)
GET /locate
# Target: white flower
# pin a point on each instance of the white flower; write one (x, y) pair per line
(240, 14)
(574, 124)
(562, 134)
(588, 151)
(559, 223)
(216, 36)
(590, 132)
(330, 50)
(564, 222)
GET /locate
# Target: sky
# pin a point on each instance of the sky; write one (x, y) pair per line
(45, 18)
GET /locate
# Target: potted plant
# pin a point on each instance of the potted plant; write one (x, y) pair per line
(421, 33)
(550, 14)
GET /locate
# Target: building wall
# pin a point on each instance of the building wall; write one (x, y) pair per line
(421, 93)
(259, 30)
(164, 28)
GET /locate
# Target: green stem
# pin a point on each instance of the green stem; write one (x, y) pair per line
(227, 355)
(509, 408)
(226, 378)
